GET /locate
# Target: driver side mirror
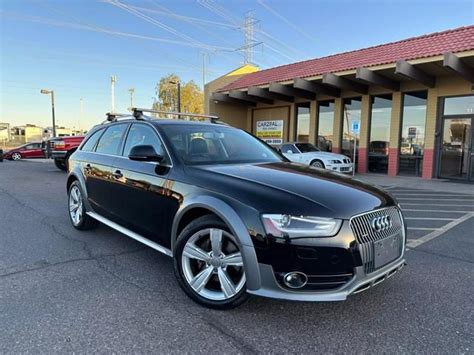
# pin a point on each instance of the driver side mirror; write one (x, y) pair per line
(289, 151)
(145, 153)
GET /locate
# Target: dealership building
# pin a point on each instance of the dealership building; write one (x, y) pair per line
(402, 108)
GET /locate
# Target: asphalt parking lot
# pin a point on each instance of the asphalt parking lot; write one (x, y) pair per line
(62, 290)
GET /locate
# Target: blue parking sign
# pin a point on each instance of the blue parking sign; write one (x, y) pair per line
(355, 127)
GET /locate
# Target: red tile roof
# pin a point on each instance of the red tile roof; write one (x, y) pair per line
(454, 40)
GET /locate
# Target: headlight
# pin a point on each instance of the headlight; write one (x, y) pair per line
(281, 225)
(335, 162)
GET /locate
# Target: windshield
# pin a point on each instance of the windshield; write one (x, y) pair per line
(217, 144)
(306, 147)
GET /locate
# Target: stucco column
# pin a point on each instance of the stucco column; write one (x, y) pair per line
(337, 125)
(291, 136)
(394, 146)
(313, 123)
(362, 164)
(430, 129)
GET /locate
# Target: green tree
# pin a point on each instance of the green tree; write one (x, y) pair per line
(166, 99)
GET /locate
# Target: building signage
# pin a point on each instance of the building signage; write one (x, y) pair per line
(270, 131)
(355, 127)
(411, 132)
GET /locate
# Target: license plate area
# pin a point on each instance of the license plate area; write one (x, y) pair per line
(386, 250)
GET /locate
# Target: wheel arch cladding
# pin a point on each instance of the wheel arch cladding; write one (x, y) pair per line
(201, 205)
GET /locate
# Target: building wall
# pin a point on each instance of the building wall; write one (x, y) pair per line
(446, 85)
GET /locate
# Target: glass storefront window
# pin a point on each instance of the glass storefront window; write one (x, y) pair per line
(381, 114)
(462, 105)
(351, 113)
(412, 140)
(325, 125)
(302, 123)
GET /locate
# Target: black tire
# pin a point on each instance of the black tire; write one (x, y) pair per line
(60, 164)
(201, 223)
(85, 222)
(317, 164)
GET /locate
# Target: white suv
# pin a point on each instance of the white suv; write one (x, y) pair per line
(307, 153)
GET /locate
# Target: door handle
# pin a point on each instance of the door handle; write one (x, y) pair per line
(117, 174)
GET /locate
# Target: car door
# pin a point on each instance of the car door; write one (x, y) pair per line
(37, 152)
(144, 198)
(290, 152)
(98, 170)
(28, 151)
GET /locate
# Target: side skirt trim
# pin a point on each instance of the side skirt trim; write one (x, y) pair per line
(130, 234)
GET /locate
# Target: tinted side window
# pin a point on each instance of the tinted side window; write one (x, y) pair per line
(141, 134)
(287, 147)
(91, 141)
(109, 143)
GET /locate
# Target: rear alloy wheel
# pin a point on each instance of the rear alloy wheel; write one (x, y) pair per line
(318, 164)
(16, 156)
(77, 210)
(209, 264)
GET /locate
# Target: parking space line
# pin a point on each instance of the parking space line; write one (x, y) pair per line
(435, 234)
(438, 204)
(441, 211)
(431, 218)
(422, 229)
(435, 199)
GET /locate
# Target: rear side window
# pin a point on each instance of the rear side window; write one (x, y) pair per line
(285, 148)
(91, 141)
(141, 134)
(109, 143)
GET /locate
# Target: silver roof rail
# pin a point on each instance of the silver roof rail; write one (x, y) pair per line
(112, 116)
(137, 112)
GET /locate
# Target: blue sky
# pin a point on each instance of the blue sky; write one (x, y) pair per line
(74, 46)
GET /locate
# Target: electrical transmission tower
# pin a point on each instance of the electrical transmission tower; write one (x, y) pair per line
(250, 42)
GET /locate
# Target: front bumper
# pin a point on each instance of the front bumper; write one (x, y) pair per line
(58, 154)
(340, 168)
(335, 267)
(360, 282)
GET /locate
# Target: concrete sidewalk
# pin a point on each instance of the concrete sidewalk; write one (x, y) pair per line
(410, 182)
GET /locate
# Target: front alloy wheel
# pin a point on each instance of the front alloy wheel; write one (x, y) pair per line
(210, 265)
(16, 156)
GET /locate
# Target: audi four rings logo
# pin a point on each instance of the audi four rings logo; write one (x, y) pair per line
(381, 223)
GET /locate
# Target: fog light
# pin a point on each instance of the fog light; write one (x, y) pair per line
(295, 279)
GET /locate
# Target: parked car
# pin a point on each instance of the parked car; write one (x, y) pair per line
(237, 217)
(307, 153)
(61, 148)
(25, 151)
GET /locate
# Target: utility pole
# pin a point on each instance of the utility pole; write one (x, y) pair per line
(204, 57)
(131, 91)
(113, 80)
(81, 115)
(51, 92)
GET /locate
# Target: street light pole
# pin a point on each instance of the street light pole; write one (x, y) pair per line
(51, 92)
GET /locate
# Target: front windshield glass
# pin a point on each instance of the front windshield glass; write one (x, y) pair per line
(217, 144)
(306, 147)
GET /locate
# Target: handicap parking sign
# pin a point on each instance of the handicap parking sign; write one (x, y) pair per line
(355, 127)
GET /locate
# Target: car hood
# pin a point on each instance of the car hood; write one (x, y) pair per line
(325, 155)
(294, 188)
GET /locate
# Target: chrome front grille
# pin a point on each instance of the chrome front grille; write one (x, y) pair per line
(366, 234)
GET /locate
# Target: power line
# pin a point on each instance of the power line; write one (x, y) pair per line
(284, 19)
(192, 41)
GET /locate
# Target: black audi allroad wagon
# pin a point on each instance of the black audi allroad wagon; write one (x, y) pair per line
(235, 215)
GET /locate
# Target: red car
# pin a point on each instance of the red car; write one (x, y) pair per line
(26, 151)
